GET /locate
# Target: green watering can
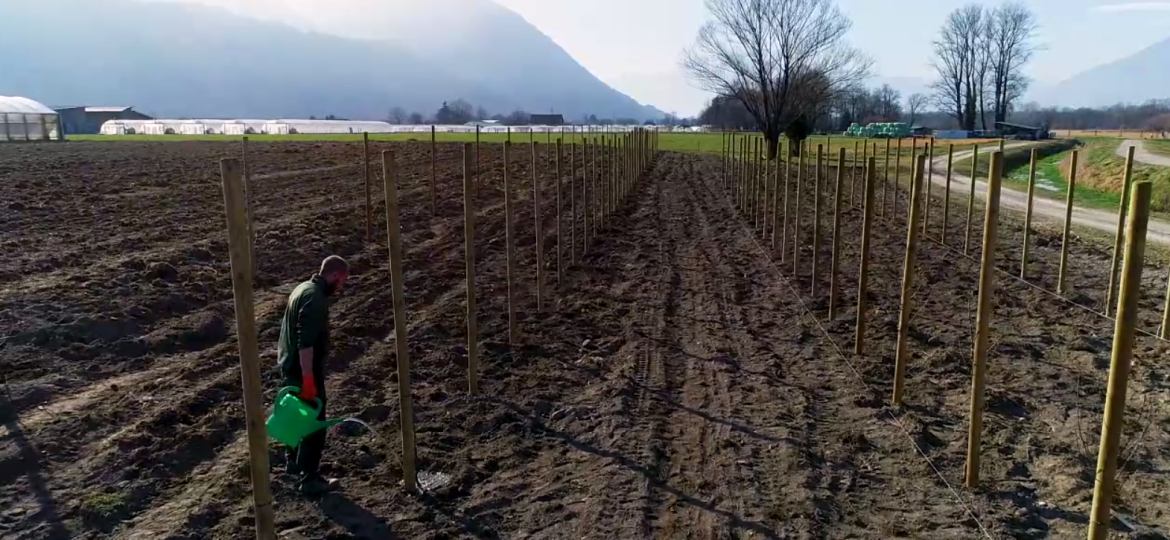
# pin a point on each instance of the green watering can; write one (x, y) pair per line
(293, 419)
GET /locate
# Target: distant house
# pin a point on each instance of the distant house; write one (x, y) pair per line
(546, 120)
(89, 120)
(1017, 131)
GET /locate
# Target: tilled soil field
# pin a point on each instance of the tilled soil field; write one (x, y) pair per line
(682, 382)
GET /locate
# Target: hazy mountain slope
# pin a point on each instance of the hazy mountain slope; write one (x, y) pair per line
(190, 60)
(1134, 79)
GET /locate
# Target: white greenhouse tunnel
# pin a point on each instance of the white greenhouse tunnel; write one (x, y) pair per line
(22, 119)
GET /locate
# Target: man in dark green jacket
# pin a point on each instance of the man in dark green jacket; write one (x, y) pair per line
(304, 345)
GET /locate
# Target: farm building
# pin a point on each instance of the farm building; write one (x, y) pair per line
(546, 120)
(89, 120)
(22, 119)
(205, 126)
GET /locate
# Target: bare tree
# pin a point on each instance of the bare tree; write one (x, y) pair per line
(914, 104)
(958, 64)
(782, 59)
(887, 103)
(416, 118)
(397, 116)
(1011, 29)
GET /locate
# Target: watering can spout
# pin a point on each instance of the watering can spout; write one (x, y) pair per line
(332, 422)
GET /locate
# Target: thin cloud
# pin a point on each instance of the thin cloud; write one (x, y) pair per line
(1133, 6)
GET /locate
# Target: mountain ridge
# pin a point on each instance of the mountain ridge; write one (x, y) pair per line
(190, 60)
(1112, 83)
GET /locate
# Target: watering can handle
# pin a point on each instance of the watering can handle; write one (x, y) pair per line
(297, 390)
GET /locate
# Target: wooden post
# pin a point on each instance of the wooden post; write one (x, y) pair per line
(971, 202)
(573, 203)
(833, 285)
(1067, 237)
(853, 177)
(538, 217)
(405, 403)
(866, 224)
(366, 177)
(776, 198)
(1113, 266)
(885, 181)
(1164, 332)
(902, 355)
(818, 175)
(983, 318)
(469, 247)
(249, 209)
(754, 204)
(434, 199)
(475, 170)
(560, 221)
(592, 199)
(929, 150)
(233, 198)
(509, 246)
(947, 194)
(796, 216)
(784, 223)
(897, 180)
(1123, 334)
(1028, 215)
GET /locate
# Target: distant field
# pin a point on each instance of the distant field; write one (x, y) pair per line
(1113, 133)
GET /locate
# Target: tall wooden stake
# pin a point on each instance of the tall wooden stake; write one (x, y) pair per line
(902, 356)
(983, 318)
(509, 246)
(784, 223)
(863, 280)
(796, 216)
(539, 218)
(1113, 266)
(818, 175)
(560, 221)
(929, 149)
(947, 194)
(885, 181)
(971, 202)
(1164, 332)
(434, 199)
(233, 198)
(405, 403)
(897, 180)
(249, 208)
(853, 174)
(1028, 215)
(1067, 237)
(834, 287)
(469, 247)
(369, 192)
(1123, 334)
(573, 203)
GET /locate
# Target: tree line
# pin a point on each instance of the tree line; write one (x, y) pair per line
(784, 67)
(460, 111)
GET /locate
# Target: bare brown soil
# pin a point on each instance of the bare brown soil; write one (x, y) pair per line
(677, 387)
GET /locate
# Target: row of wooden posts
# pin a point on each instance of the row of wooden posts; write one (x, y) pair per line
(750, 148)
(757, 190)
(623, 158)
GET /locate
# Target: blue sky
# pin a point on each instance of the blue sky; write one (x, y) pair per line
(897, 34)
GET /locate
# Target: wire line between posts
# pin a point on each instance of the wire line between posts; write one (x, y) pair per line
(1045, 291)
(837, 349)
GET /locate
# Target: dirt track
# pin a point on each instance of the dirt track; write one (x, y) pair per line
(1046, 209)
(679, 389)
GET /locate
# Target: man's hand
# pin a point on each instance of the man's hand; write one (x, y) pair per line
(308, 388)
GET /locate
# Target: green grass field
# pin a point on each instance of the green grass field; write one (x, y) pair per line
(674, 142)
(1161, 148)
